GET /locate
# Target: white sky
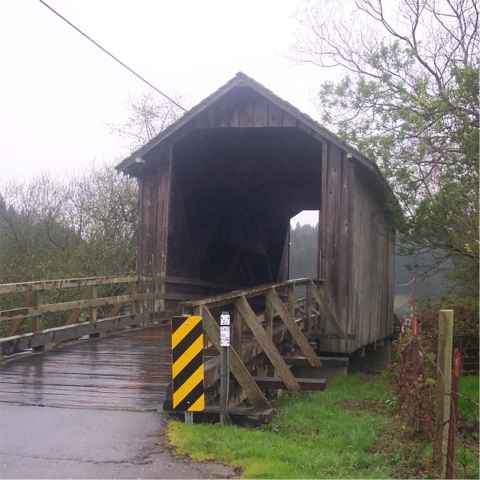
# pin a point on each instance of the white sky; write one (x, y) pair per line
(59, 94)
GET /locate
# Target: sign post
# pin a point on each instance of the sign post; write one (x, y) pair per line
(224, 365)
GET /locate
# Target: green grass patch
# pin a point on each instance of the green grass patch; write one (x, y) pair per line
(347, 431)
(468, 401)
(321, 434)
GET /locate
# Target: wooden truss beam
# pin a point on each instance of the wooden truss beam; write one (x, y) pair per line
(295, 330)
(325, 308)
(239, 370)
(266, 344)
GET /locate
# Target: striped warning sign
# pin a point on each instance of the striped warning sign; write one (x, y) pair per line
(187, 364)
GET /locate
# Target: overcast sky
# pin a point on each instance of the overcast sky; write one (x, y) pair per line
(59, 94)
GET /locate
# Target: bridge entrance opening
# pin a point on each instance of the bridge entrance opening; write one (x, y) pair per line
(303, 257)
(233, 194)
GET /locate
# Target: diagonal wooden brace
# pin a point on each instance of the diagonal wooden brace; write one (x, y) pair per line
(238, 368)
(295, 330)
(324, 307)
(266, 344)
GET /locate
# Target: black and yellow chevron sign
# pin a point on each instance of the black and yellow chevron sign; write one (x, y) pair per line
(187, 364)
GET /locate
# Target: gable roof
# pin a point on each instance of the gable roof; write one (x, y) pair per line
(242, 80)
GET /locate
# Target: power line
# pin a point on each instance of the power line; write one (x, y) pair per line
(111, 55)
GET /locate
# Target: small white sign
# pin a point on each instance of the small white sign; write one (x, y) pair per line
(224, 319)
(225, 336)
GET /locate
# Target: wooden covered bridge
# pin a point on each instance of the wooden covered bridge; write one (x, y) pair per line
(217, 191)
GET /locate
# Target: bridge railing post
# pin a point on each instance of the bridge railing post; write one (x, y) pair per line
(33, 302)
(308, 308)
(93, 311)
(133, 292)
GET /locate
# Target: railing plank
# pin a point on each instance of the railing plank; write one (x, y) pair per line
(229, 297)
(66, 306)
(8, 288)
(21, 287)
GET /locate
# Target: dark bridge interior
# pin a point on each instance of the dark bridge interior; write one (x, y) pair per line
(233, 194)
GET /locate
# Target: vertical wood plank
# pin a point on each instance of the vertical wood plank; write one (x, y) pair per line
(274, 116)
(308, 308)
(291, 301)
(141, 227)
(133, 291)
(350, 258)
(37, 320)
(323, 215)
(260, 113)
(93, 311)
(269, 314)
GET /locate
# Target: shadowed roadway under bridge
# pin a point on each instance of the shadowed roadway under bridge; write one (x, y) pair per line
(91, 410)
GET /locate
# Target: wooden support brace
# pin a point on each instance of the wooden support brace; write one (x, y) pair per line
(237, 333)
(325, 309)
(266, 344)
(239, 370)
(295, 330)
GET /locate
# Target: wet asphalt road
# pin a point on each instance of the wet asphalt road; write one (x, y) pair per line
(91, 411)
(46, 442)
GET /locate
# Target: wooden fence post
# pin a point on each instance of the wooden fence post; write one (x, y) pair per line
(93, 311)
(444, 388)
(452, 432)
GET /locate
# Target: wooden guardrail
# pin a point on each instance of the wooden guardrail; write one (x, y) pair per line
(262, 317)
(39, 313)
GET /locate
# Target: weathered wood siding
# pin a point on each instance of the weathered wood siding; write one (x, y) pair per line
(371, 300)
(335, 237)
(356, 254)
(154, 200)
(246, 109)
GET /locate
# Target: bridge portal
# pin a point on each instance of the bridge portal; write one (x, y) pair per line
(217, 191)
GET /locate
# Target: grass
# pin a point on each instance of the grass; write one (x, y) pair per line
(314, 435)
(347, 431)
(468, 401)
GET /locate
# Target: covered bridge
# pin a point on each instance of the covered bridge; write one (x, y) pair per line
(218, 189)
